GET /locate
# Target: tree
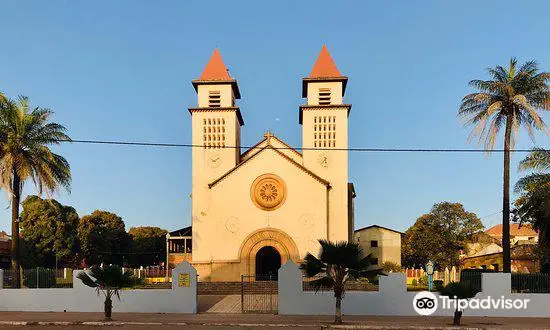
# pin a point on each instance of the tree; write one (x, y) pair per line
(25, 137)
(148, 246)
(533, 205)
(458, 291)
(102, 238)
(49, 232)
(337, 263)
(511, 98)
(108, 280)
(439, 236)
(391, 267)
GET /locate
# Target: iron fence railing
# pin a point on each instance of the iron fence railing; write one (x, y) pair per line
(531, 283)
(37, 278)
(521, 283)
(259, 294)
(351, 285)
(473, 277)
(150, 272)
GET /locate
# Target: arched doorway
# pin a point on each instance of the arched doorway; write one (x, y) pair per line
(268, 262)
(275, 238)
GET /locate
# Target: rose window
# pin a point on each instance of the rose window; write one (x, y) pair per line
(268, 192)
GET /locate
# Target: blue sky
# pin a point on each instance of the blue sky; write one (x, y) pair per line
(121, 70)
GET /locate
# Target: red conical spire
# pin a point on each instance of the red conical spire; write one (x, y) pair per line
(215, 69)
(324, 66)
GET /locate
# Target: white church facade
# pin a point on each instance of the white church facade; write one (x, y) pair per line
(254, 209)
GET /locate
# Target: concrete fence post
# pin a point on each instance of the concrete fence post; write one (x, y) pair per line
(453, 274)
(289, 287)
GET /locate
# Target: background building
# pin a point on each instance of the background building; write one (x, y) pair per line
(383, 243)
(486, 251)
(5, 250)
(518, 234)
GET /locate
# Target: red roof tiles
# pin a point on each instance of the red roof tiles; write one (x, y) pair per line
(324, 66)
(215, 69)
(515, 230)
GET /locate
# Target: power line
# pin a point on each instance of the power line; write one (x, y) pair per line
(183, 145)
(490, 215)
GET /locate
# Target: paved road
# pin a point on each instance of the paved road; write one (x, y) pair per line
(147, 327)
(256, 321)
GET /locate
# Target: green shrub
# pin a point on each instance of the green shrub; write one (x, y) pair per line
(438, 285)
(414, 282)
(390, 267)
(423, 281)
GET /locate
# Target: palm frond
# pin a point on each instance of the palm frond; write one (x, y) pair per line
(109, 279)
(511, 95)
(538, 160)
(87, 280)
(25, 138)
(460, 290)
(312, 266)
(323, 283)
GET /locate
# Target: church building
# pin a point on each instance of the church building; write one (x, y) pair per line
(255, 209)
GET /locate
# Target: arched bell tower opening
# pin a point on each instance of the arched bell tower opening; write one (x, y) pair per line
(268, 262)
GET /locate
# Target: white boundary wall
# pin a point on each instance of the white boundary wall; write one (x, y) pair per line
(393, 298)
(84, 299)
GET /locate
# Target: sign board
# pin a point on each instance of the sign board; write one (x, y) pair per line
(184, 280)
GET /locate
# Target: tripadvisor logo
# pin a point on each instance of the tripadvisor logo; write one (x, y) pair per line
(426, 303)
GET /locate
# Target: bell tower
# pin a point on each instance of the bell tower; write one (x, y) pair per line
(216, 122)
(324, 120)
(216, 136)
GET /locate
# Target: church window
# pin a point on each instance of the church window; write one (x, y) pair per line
(324, 135)
(214, 133)
(214, 99)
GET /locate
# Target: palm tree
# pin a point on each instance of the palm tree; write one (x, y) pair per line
(458, 291)
(533, 206)
(25, 135)
(511, 99)
(108, 280)
(338, 263)
(538, 160)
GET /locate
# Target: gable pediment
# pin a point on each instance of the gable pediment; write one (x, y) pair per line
(278, 153)
(276, 143)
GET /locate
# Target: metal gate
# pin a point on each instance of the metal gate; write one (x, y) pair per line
(259, 294)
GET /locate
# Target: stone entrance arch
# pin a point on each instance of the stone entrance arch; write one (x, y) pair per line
(275, 238)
